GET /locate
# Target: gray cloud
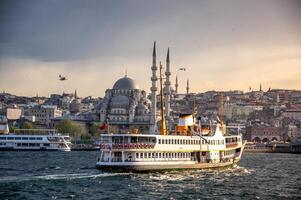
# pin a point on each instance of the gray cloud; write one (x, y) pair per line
(119, 35)
(73, 30)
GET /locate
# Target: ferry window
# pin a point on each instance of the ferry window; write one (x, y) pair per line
(159, 141)
(39, 138)
(24, 138)
(159, 155)
(163, 155)
(141, 155)
(46, 145)
(153, 155)
(2, 138)
(163, 141)
(10, 138)
(213, 142)
(32, 138)
(169, 155)
(18, 144)
(145, 155)
(149, 155)
(173, 141)
(17, 138)
(137, 155)
(32, 144)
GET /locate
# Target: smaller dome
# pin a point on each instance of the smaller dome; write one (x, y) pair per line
(125, 83)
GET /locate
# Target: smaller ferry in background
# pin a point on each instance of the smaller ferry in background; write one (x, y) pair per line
(35, 139)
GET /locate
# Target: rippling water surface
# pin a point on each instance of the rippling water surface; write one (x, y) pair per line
(72, 175)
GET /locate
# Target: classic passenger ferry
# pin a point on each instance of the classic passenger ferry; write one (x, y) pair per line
(134, 152)
(35, 139)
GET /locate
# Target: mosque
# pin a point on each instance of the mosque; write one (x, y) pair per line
(126, 108)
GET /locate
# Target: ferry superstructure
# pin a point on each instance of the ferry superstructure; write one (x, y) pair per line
(137, 152)
(35, 139)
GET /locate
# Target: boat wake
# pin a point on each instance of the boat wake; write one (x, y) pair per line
(59, 177)
(196, 174)
(79, 176)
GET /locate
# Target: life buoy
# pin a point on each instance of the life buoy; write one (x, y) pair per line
(139, 146)
(120, 146)
(144, 146)
(152, 146)
(126, 146)
(135, 146)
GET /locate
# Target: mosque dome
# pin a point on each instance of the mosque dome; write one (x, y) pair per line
(125, 83)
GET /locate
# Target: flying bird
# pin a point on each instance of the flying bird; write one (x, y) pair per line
(62, 78)
(182, 68)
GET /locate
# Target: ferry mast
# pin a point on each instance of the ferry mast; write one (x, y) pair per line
(163, 123)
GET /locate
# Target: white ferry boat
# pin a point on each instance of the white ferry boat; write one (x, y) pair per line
(137, 152)
(35, 139)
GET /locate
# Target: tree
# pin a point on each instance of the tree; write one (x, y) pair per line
(94, 130)
(27, 125)
(74, 129)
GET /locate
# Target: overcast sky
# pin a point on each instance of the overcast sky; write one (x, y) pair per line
(224, 45)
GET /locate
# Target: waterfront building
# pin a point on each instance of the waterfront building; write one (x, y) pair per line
(44, 113)
(264, 133)
(13, 113)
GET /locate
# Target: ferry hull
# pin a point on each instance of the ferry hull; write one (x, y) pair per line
(41, 149)
(164, 167)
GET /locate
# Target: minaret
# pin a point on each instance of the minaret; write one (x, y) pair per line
(75, 94)
(177, 85)
(167, 89)
(154, 91)
(187, 87)
(260, 88)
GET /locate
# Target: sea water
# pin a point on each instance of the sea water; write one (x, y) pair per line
(72, 175)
